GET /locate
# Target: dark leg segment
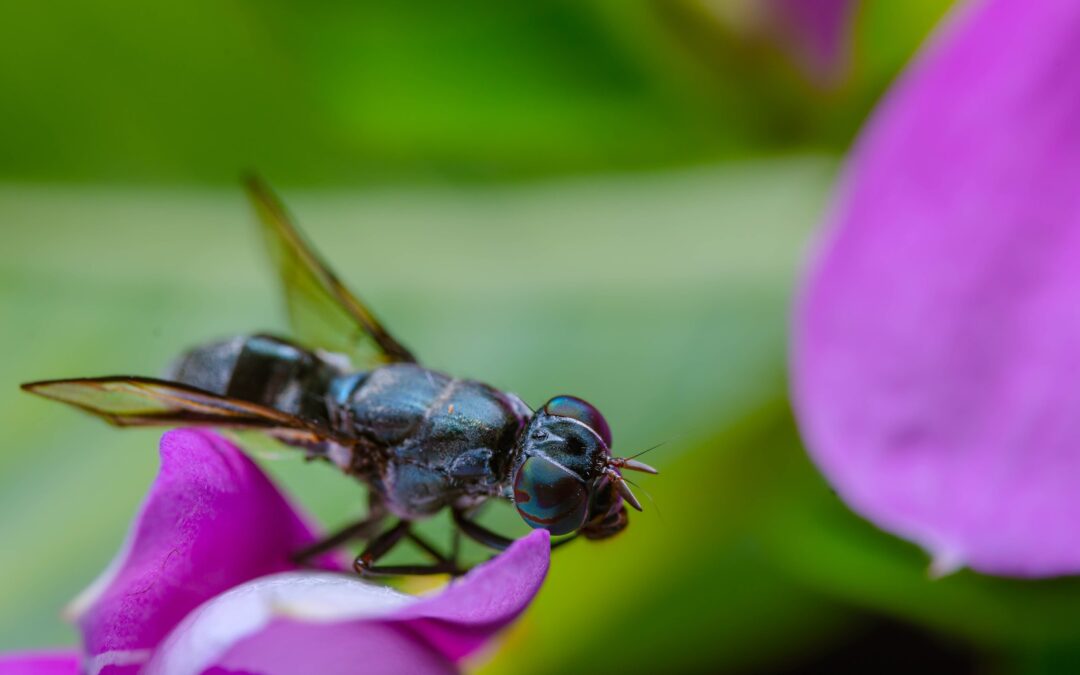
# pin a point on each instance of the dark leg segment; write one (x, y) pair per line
(479, 533)
(385, 542)
(455, 546)
(364, 529)
(365, 562)
(486, 537)
(426, 547)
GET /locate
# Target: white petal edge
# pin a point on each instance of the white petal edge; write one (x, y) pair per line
(93, 665)
(211, 629)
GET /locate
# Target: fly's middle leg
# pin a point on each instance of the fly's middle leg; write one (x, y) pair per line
(364, 529)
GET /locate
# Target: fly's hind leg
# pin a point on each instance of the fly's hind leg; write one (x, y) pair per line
(385, 542)
(364, 529)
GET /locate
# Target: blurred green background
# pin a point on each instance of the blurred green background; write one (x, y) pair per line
(602, 197)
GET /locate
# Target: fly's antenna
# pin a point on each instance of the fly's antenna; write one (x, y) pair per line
(631, 464)
(615, 464)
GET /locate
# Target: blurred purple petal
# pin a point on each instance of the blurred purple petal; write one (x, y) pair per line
(288, 647)
(937, 347)
(816, 32)
(212, 520)
(57, 662)
(321, 622)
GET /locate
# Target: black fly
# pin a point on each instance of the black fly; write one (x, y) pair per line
(349, 393)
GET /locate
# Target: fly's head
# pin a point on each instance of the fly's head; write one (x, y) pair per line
(565, 479)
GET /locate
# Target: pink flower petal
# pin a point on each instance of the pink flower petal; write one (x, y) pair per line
(937, 346)
(59, 662)
(285, 647)
(321, 622)
(212, 520)
(465, 615)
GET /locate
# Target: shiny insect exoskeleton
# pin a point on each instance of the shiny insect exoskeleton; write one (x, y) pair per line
(421, 440)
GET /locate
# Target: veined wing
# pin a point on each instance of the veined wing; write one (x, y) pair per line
(140, 401)
(322, 312)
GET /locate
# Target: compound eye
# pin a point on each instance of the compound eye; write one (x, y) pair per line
(582, 411)
(550, 497)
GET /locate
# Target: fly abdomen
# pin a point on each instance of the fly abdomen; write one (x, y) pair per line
(261, 369)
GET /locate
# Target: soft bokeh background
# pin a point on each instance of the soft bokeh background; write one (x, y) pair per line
(600, 197)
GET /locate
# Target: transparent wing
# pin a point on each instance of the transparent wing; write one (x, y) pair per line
(322, 312)
(141, 401)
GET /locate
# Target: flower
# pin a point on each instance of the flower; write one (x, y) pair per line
(815, 33)
(205, 582)
(936, 346)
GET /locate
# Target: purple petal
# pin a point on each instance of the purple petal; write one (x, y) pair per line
(464, 616)
(65, 662)
(817, 34)
(375, 648)
(212, 520)
(937, 347)
(327, 623)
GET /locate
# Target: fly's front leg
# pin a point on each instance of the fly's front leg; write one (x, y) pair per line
(480, 534)
(385, 542)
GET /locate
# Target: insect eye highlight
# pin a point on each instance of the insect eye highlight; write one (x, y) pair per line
(582, 411)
